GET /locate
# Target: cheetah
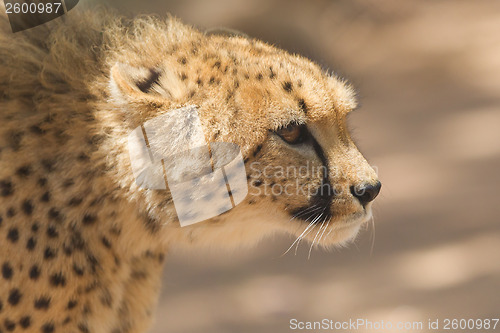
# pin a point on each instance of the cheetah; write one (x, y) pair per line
(82, 246)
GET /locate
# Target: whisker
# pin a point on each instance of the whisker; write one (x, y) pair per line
(314, 226)
(327, 225)
(312, 244)
(373, 235)
(298, 238)
(312, 211)
(305, 211)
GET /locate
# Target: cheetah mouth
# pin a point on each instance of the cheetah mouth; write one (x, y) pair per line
(311, 214)
(327, 229)
(317, 214)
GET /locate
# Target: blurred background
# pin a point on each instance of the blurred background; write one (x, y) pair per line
(428, 75)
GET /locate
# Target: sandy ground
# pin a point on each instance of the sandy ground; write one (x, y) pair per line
(428, 75)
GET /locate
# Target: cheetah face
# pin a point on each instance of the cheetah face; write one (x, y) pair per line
(305, 175)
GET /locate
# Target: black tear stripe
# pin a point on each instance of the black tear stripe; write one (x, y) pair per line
(320, 204)
(153, 78)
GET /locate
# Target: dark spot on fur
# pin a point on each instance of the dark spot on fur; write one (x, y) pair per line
(57, 280)
(36, 129)
(9, 325)
(27, 207)
(97, 201)
(92, 261)
(48, 327)
(52, 232)
(230, 95)
(138, 275)
(257, 182)
(272, 75)
(72, 304)
(78, 270)
(259, 76)
(183, 76)
(34, 272)
(151, 224)
(7, 271)
(61, 137)
(83, 157)
(83, 328)
(11, 212)
(35, 227)
(287, 86)
(303, 105)
(77, 240)
(30, 244)
(106, 242)
(45, 197)
(54, 215)
(13, 235)
(89, 219)
(68, 183)
(48, 165)
(49, 253)
(152, 79)
(14, 296)
(75, 202)
(182, 60)
(106, 299)
(42, 182)
(6, 188)
(86, 309)
(257, 150)
(42, 303)
(25, 322)
(67, 249)
(14, 140)
(24, 171)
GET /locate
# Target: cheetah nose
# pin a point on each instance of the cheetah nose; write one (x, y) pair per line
(366, 193)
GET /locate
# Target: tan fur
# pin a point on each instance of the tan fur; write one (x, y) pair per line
(81, 245)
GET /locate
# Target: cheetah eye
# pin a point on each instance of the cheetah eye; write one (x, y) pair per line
(293, 134)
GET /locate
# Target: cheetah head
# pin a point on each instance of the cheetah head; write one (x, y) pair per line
(305, 175)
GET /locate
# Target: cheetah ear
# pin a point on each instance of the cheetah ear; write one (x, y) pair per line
(129, 83)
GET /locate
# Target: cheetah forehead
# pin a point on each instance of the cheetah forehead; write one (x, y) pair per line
(241, 87)
(239, 73)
